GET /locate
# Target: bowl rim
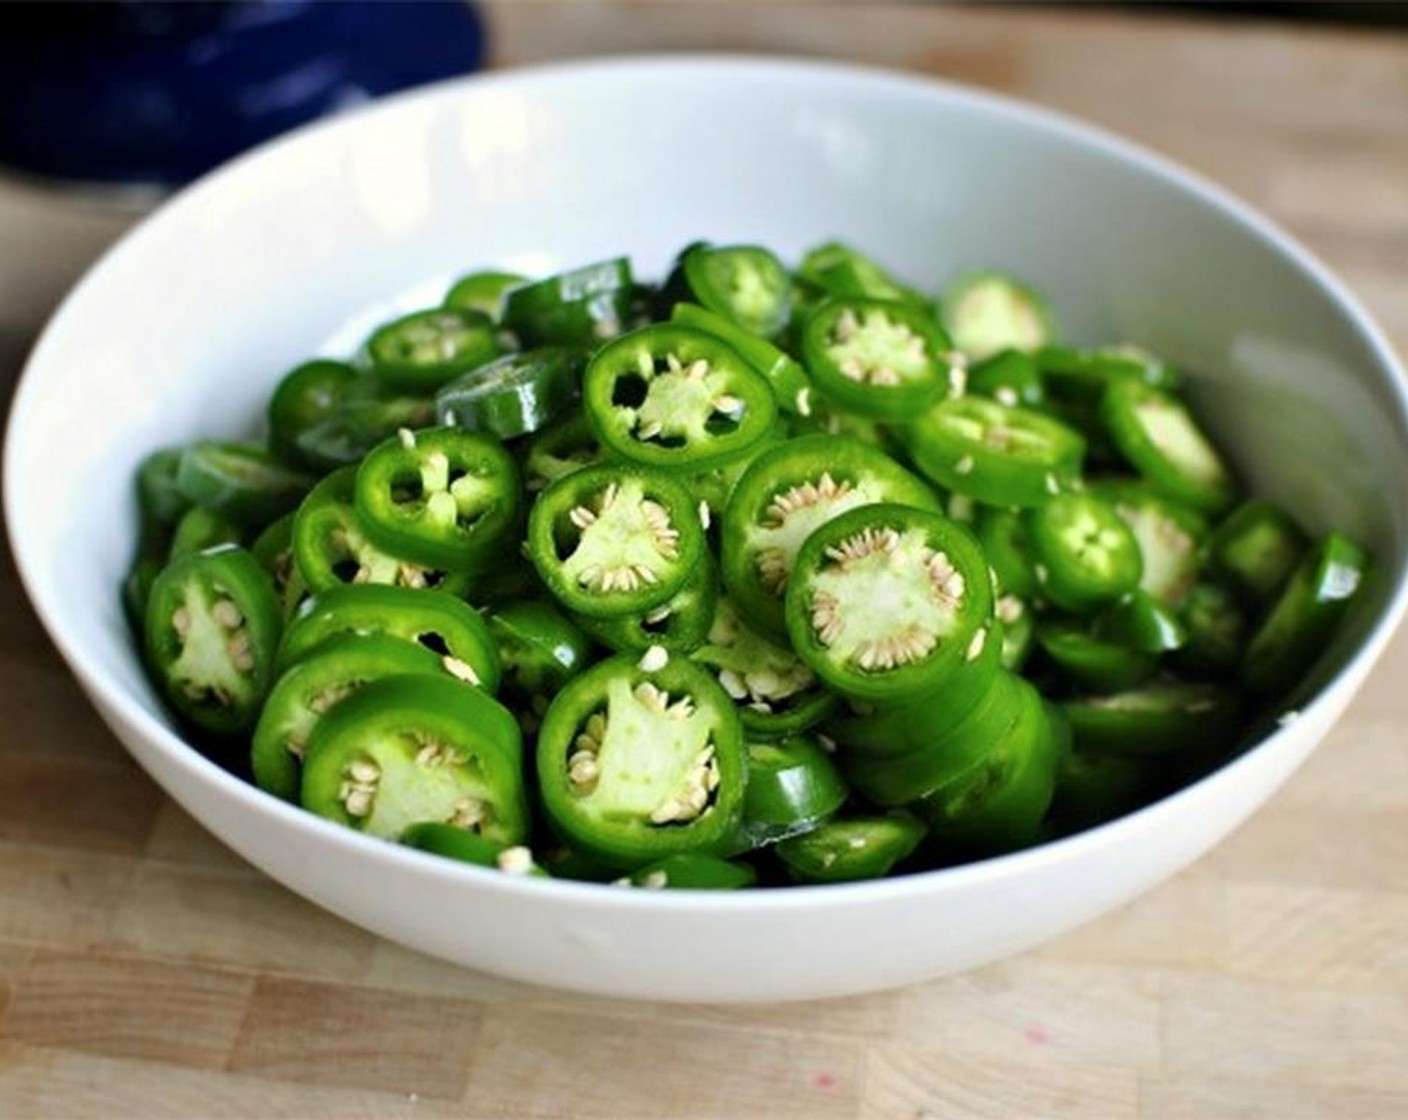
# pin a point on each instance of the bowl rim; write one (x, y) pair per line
(992, 870)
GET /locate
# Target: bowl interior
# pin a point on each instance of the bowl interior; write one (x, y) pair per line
(183, 330)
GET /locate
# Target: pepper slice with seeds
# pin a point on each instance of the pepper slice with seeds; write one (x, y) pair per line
(1256, 548)
(790, 383)
(1169, 533)
(1000, 455)
(565, 446)
(239, 481)
(615, 540)
(467, 846)
(879, 358)
(483, 292)
(887, 602)
(406, 749)
(789, 491)
(638, 760)
(443, 624)
(776, 694)
(443, 498)
(418, 353)
(211, 630)
(313, 686)
(679, 624)
(838, 269)
(673, 397)
(691, 871)
(332, 548)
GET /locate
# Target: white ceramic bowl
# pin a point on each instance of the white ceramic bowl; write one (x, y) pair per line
(183, 328)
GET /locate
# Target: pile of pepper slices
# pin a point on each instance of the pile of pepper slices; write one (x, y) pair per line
(782, 576)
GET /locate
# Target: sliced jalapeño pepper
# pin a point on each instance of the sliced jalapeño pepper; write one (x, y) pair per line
(1010, 377)
(273, 548)
(364, 418)
(539, 648)
(441, 497)
(790, 383)
(881, 359)
(200, 529)
(636, 763)
(443, 624)
(561, 448)
(746, 284)
(789, 491)
(581, 308)
(850, 849)
(679, 624)
(1256, 548)
(1092, 788)
(988, 311)
(1081, 376)
(1139, 621)
(212, 629)
(1085, 553)
(1093, 663)
(418, 353)
(239, 481)
(1002, 456)
(1159, 718)
(159, 498)
(411, 748)
(313, 686)
(483, 292)
(1169, 534)
(615, 540)
(306, 396)
(467, 846)
(776, 693)
(672, 397)
(512, 395)
(332, 548)
(1156, 433)
(693, 871)
(1217, 631)
(887, 602)
(793, 787)
(1299, 625)
(836, 269)
(1007, 542)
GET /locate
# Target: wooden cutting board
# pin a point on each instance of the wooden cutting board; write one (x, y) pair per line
(146, 972)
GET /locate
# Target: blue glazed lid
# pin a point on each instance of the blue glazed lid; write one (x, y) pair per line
(134, 91)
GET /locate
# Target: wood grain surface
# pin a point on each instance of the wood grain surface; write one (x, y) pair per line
(146, 972)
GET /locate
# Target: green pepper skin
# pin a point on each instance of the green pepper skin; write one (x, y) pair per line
(212, 629)
(513, 395)
(561, 448)
(791, 385)
(1256, 549)
(464, 846)
(1074, 374)
(313, 686)
(440, 622)
(159, 499)
(581, 308)
(745, 284)
(241, 482)
(628, 803)
(785, 494)
(1299, 625)
(1091, 662)
(951, 590)
(437, 751)
(837, 269)
(999, 804)
(1156, 719)
(877, 358)
(420, 352)
(1010, 377)
(675, 398)
(442, 498)
(1155, 432)
(1007, 542)
(200, 529)
(539, 648)
(793, 787)
(680, 624)
(364, 419)
(693, 871)
(1086, 555)
(851, 849)
(1217, 629)
(483, 292)
(1092, 789)
(308, 395)
(1138, 621)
